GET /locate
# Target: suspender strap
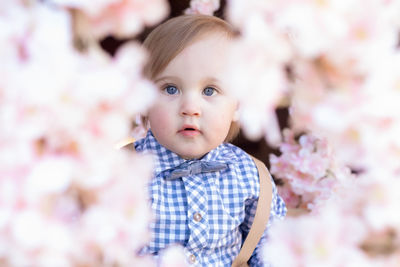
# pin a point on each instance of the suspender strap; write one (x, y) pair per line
(262, 212)
(260, 219)
(127, 143)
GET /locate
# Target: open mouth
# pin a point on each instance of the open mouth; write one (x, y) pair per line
(189, 131)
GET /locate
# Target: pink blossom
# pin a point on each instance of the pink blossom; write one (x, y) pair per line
(256, 77)
(173, 257)
(383, 200)
(308, 169)
(318, 239)
(121, 18)
(356, 224)
(206, 7)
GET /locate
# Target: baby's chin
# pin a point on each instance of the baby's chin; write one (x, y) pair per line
(191, 148)
(185, 151)
(189, 156)
(191, 153)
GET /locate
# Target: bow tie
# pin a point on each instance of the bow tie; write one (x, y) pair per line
(195, 167)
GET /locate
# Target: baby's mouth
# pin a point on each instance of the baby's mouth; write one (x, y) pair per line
(189, 130)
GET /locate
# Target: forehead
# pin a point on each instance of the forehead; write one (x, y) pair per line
(206, 55)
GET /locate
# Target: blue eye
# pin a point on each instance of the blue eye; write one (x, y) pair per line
(171, 90)
(209, 91)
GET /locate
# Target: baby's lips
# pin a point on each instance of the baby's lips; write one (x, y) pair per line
(189, 127)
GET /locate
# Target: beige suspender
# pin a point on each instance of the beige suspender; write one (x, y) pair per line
(260, 219)
(262, 212)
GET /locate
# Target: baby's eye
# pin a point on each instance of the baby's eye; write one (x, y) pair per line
(209, 91)
(171, 90)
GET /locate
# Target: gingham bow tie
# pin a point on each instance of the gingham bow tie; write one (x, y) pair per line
(196, 167)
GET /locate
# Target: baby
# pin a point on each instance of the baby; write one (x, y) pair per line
(205, 191)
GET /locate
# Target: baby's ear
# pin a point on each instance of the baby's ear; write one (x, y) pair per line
(236, 115)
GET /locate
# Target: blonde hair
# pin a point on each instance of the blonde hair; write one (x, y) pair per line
(168, 39)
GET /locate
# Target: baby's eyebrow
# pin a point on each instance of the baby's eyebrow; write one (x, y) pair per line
(211, 80)
(163, 78)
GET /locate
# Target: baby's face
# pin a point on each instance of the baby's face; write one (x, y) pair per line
(194, 110)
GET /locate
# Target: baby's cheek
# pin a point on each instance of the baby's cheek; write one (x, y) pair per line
(159, 118)
(221, 124)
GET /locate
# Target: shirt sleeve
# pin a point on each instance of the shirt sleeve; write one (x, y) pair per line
(278, 212)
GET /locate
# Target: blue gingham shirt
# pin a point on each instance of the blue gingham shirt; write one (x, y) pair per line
(209, 214)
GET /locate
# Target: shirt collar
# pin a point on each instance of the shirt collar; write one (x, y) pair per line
(165, 159)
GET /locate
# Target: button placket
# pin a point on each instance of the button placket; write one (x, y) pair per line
(197, 204)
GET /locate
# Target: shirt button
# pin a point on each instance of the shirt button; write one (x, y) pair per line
(192, 258)
(197, 217)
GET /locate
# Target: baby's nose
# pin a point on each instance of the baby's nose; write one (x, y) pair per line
(190, 106)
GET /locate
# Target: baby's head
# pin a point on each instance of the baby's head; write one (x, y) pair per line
(194, 111)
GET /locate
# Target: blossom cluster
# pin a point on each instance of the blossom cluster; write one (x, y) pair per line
(67, 196)
(309, 170)
(321, 57)
(356, 226)
(336, 68)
